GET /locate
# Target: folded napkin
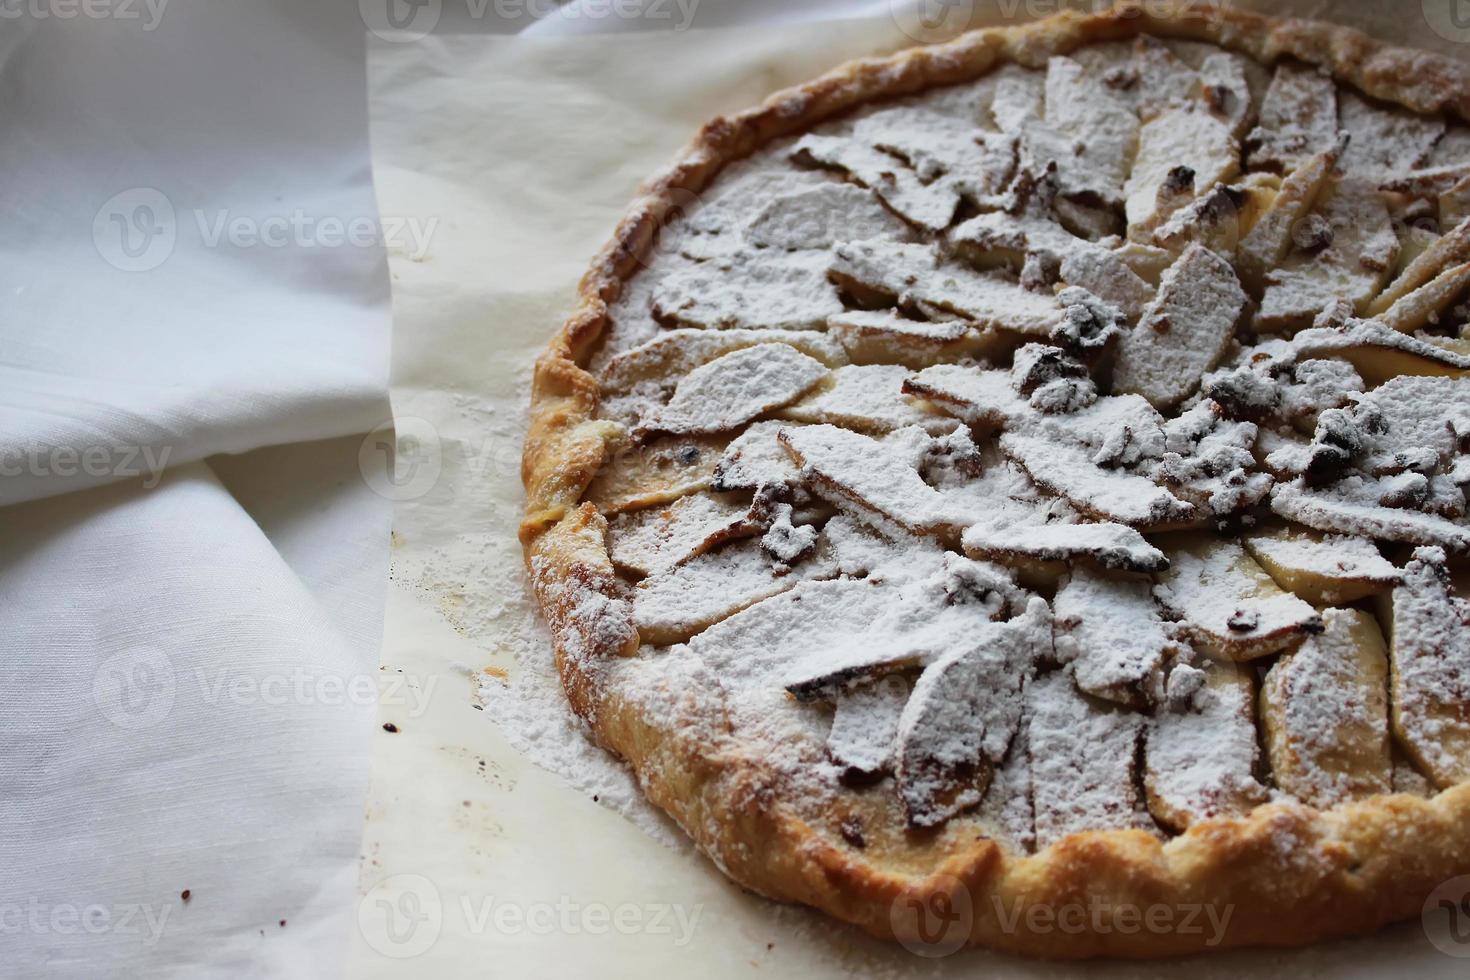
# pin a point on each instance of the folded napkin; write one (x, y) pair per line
(194, 335)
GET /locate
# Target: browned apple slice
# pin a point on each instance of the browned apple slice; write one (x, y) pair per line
(865, 726)
(1105, 494)
(1112, 632)
(1080, 113)
(874, 478)
(732, 390)
(1230, 607)
(1184, 332)
(868, 398)
(673, 606)
(1449, 250)
(1345, 251)
(815, 620)
(997, 238)
(1379, 352)
(931, 610)
(1354, 506)
(1019, 96)
(1083, 757)
(1430, 649)
(1092, 222)
(1113, 546)
(928, 206)
(653, 540)
(655, 472)
(943, 149)
(748, 290)
(1408, 423)
(909, 273)
(1006, 812)
(995, 399)
(1415, 239)
(674, 353)
(1225, 84)
(1324, 713)
(1425, 305)
(963, 714)
(1385, 142)
(885, 337)
(822, 216)
(1200, 751)
(1181, 153)
(1298, 119)
(1148, 261)
(920, 163)
(1454, 204)
(1270, 237)
(981, 397)
(1323, 569)
(755, 458)
(1146, 75)
(1220, 217)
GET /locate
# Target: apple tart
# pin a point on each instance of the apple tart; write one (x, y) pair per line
(1029, 472)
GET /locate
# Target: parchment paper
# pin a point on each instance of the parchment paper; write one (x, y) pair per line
(475, 858)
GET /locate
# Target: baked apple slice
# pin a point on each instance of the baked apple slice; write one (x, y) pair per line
(656, 539)
(963, 714)
(1183, 333)
(1084, 761)
(1229, 606)
(1270, 238)
(1344, 252)
(1298, 119)
(1429, 630)
(654, 472)
(735, 389)
(1323, 569)
(868, 398)
(1324, 713)
(865, 726)
(1200, 747)
(1112, 632)
(886, 337)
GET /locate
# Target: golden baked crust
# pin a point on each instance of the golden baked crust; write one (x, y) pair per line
(1287, 874)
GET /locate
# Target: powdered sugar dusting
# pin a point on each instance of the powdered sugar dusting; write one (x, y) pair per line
(918, 330)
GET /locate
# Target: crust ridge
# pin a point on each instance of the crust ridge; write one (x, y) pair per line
(1349, 869)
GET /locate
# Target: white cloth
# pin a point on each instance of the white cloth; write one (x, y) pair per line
(190, 648)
